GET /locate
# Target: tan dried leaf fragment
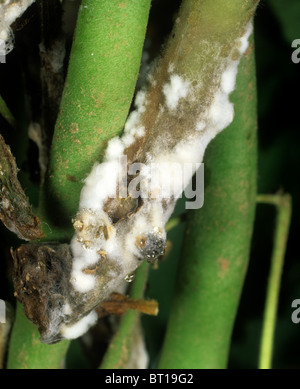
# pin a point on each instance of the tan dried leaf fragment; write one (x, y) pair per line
(118, 304)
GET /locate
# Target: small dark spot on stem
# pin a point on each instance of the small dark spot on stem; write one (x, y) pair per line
(71, 178)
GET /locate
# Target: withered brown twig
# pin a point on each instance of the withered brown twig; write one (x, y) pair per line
(15, 210)
(118, 304)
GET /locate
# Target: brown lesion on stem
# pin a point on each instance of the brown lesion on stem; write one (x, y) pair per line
(15, 210)
(198, 54)
(41, 280)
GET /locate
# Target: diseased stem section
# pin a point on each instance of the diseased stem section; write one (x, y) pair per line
(102, 73)
(217, 238)
(283, 204)
(185, 106)
(187, 99)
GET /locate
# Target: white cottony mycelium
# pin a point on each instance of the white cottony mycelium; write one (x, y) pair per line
(176, 89)
(220, 112)
(115, 230)
(79, 328)
(10, 10)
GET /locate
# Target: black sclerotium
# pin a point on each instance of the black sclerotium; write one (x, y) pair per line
(151, 246)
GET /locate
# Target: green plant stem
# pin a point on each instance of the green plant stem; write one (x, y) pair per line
(217, 241)
(5, 112)
(27, 352)
(119, 350)
(174, 222)
(283, 205)
(102, 74)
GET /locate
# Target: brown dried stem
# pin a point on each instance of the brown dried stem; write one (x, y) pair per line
(15, 210)
(118, 304)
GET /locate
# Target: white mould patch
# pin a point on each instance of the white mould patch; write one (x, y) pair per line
(200, 126)
(220, 112)
(133, 127)
(115, 148)
(229, 77)
(84, 257)
(94, 193)
(177, 88)
(108, 248)
(244, 40)
(81, 282)
(81, 327)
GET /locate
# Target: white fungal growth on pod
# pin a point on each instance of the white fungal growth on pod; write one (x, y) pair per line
(127, 199)
(79, 328)
(176, 89)
(139, 233)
